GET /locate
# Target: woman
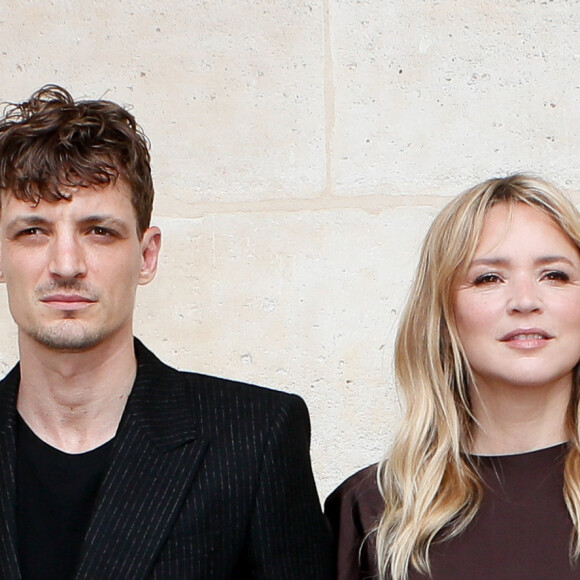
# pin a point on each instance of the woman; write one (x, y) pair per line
(483, 479)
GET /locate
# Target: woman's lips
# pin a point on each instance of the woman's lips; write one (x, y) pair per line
(526, 337)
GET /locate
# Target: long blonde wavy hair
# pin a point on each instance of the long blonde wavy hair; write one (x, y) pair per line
(429, 484)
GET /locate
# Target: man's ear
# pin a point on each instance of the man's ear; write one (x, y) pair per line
(150, 247)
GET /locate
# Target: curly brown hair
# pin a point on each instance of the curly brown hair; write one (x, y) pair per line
(50, 143)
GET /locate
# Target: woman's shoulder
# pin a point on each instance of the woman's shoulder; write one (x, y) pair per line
(354, 509)
(356, 502)
(361, 486)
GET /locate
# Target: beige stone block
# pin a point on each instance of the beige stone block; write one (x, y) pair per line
(306, 302)
(8, 336)
(434, 96)
(230, 93)
(300, 150)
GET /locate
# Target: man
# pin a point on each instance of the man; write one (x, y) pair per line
(112, 464)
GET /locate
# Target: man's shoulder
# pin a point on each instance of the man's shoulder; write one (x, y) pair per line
(9, 386)
(11, 376)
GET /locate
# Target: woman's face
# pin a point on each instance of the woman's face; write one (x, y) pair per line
(518, 308)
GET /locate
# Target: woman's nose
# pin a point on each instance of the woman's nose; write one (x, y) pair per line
(524, 296)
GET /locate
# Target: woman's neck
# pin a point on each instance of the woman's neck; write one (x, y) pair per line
(518, 419)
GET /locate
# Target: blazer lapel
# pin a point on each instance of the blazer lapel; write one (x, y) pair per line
(155, 457)
(9, 569)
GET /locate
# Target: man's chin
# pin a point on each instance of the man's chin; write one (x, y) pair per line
(69, 340)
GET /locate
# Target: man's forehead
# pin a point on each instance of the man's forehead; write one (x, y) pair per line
(63, 192)
(111, 201)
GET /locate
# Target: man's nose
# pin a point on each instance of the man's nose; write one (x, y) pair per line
(67, 259)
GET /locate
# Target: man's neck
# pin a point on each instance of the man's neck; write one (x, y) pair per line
(74, 400)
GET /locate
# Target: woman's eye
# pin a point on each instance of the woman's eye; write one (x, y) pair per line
(557, 275)
(487, 279)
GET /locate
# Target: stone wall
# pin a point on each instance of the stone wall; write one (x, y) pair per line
(300, 150)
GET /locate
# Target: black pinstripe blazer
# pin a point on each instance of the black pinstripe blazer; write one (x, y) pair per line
(209, 479)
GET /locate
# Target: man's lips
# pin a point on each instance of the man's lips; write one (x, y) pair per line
(67, 301)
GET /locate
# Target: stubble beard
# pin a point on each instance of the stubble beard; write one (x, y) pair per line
(68, 335)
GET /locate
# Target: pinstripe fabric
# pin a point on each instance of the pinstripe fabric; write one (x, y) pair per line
(210, 479)
(8, 559)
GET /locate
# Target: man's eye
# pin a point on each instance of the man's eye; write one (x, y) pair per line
(99, 231)
(29, 232)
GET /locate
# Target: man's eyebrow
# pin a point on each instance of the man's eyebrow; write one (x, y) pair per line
(105, 220)
(27, 221)
(32, 220)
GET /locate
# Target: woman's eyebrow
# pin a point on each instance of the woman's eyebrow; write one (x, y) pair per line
(491, 261)
(554, 259)
(541, 260)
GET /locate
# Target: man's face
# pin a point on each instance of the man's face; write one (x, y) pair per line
(72, 267)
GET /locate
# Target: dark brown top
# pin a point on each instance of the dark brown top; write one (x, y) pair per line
(521, 532)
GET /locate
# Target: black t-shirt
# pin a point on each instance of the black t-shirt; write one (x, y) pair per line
(56, 493)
